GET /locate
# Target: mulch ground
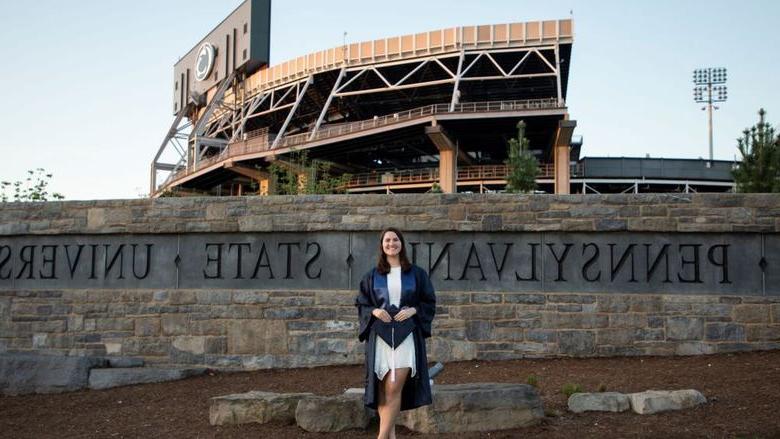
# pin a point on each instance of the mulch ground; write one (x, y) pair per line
(743, 392)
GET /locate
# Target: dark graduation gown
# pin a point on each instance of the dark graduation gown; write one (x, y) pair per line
(416, 292)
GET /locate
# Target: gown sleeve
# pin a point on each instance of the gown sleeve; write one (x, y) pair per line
(365, 305)
(427, 302)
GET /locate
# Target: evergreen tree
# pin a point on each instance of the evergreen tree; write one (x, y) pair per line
(759, 170)
(522, 166)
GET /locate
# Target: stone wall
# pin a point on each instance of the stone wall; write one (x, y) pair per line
(270, 328)
(429, 212)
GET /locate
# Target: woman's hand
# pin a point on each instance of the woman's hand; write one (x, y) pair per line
(381, 315)
(405, 314)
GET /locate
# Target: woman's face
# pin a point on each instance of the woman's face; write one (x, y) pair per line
(391, 245)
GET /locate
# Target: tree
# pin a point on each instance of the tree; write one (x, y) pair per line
(33, 188)
(522, 166)
(301, 176)
(759, 170)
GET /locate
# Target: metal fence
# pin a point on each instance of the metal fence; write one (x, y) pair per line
(261, 140)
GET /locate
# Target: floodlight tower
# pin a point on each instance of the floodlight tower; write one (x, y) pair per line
(708, 90)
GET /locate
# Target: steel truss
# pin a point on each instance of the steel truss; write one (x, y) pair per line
(176, 140)
(230, 124)
(461, 74)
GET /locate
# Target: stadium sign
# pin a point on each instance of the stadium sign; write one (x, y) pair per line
(737, 264)
(204, 63)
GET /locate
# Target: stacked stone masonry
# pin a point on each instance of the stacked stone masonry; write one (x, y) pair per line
(264, 329)
(411, 212)
(251, 329)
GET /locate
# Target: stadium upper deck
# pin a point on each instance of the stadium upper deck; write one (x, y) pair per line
(442, 99)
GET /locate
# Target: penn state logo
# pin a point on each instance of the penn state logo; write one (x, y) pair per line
(205, 61)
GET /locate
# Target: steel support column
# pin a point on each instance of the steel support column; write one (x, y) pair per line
(292, 112)
(455, 90)
(558, 75)
(327, 103)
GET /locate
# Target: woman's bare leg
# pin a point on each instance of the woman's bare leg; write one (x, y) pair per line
(390, 402)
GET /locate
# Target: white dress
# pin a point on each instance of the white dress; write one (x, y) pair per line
(384, 360)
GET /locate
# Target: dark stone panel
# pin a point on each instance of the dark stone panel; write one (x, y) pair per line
(96, 261)
(772, 267)
(684, 263)
(265, 261)
(616, 262)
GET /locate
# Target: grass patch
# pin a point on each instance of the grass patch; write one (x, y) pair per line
(570, 389)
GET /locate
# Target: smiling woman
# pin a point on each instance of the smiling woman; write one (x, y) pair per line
(396, 305)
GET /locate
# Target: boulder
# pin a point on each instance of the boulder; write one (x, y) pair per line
(31, 373)
(332, 413)
(476, 407)
(125, 376)
(254, 407)
(655, 401)
(599, 402)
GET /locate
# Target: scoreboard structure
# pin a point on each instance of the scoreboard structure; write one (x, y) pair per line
(241, 43)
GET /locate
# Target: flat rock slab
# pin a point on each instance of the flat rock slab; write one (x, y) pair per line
(254, 407)
(355, 390)
(332, 413)
(30, 373)
(655, 401)
(125, 362)
(476, 407)
(121, 376)
(599, 402)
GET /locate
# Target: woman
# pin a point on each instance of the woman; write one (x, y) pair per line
(396, 305)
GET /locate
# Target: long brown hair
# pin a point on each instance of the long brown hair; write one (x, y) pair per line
(382, 265)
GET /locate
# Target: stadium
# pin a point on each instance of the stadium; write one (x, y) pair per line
(412, 113)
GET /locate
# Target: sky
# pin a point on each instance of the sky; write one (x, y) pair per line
(87, 85)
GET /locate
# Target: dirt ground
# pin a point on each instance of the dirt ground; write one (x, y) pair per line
(743, 391)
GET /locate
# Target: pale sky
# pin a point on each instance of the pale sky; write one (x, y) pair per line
(87, 85)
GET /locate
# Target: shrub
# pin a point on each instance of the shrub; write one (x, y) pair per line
(570, 389)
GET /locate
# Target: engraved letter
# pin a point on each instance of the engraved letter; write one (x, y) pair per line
(500, 267)
(148, 261)
(50, 260)
(72, 264)
(28, 261)
(590, 262)
(259, 264)
(467, 265)
(438, 259)
(120, 253)
(724, 261)
(311, 261)
(560, 259)
(217, 260)
(5, 261)
(694, 262)
(651, 268)
(614, 269)
(533, 265)
(239, 258)
(287, 245)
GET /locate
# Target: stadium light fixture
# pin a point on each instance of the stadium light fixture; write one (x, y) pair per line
(709, 88)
